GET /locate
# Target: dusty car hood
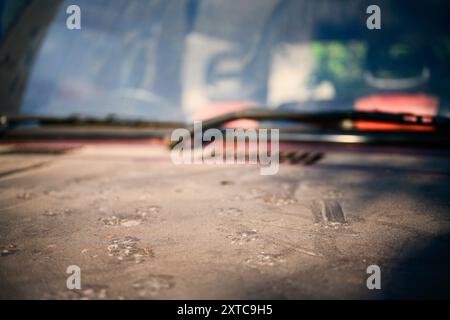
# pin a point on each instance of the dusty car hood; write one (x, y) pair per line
(141, 227)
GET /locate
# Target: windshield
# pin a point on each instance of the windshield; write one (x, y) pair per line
(174, 60)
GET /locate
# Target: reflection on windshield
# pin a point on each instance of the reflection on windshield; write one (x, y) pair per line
(170, 59)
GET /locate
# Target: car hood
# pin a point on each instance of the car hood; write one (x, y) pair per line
(141, 227)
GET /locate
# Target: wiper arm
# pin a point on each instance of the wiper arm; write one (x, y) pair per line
(7, 122)
(81, 127)
(337, 119)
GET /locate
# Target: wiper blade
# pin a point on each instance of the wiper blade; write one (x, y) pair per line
(335, 122)
(336, 119)
(7, 122)
(84, 128)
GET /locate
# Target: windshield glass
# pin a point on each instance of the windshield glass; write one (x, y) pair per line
(174, 60)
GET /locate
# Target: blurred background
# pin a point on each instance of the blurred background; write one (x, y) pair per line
(174, 60)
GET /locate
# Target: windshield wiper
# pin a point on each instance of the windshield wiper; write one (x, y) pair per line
(79, 120)
(328, 126)
(338, 126)
(338, 119)
(82, 127)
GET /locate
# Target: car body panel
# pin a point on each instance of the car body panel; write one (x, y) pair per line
(222, 231)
